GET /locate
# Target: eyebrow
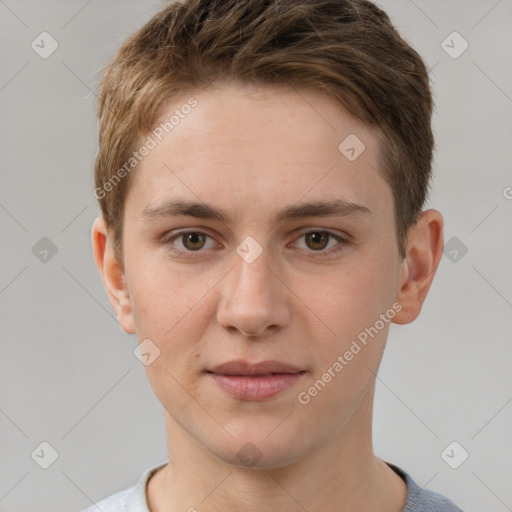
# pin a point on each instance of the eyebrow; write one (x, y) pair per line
(335, 207)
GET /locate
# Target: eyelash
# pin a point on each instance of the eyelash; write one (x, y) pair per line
(342, 242)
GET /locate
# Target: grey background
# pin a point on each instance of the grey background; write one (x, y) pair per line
(68, 375)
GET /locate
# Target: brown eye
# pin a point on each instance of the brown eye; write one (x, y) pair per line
(320, 243)
(189, 244)
(193, 240)
(317, 240)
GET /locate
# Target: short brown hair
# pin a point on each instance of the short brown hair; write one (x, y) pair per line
(346, 48)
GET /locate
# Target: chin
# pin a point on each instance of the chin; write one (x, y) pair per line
(262, 447)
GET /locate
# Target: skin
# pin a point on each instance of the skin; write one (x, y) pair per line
(252, 152)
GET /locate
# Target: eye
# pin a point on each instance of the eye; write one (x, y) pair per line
(318, 240)
(192, 241)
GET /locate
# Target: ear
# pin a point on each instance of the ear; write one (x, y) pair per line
(112, 274)
(424, 252)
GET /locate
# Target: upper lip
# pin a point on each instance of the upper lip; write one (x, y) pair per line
(241, 367)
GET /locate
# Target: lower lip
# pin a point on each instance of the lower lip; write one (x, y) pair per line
(258, 387)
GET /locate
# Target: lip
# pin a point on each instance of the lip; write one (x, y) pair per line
(241, 367)
(255, 381)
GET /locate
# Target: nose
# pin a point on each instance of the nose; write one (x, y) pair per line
(254, 300)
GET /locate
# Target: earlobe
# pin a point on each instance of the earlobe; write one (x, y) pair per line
(112, 274)
(424, 252)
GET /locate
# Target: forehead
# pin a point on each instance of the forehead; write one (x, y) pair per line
(242, 148)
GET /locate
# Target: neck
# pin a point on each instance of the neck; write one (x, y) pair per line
(342, 474)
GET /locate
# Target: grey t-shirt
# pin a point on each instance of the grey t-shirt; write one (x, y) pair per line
(133, 499)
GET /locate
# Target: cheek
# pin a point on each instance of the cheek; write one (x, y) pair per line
(347, 358)
(168, 311)
(174, 310)
(351, 303)
(162, 297)
(352, 297)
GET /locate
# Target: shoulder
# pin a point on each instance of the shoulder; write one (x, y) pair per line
(132, 499)
(115, 503)
(430, 501)
(423, 500)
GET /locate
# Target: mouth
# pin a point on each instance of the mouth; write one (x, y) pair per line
(257, 375)
(240, 367)
(255, 381)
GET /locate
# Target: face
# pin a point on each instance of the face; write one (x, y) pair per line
(304, 259)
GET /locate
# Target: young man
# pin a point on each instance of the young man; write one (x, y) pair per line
(261, 174)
